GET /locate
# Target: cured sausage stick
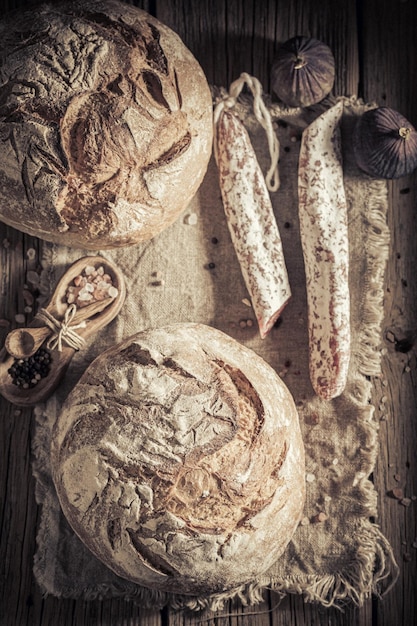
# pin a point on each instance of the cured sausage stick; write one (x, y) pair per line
(251, 220)
(324, 239)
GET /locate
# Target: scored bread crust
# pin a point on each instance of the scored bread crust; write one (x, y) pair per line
(178, 460)
(105, 123)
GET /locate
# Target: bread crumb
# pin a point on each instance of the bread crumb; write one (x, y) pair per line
(191, 219)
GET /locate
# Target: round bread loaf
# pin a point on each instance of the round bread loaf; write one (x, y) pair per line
(178, 460)
(105, 123)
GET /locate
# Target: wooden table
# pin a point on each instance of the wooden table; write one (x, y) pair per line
(374, 43)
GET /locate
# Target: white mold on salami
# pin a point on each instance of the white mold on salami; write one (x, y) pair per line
(324, 238)
(251, 220)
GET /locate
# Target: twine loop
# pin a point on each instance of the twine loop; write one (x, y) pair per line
(262, 115)
(63, 331)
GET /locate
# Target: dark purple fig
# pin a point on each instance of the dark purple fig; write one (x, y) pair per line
(385, 143)
(302, 72)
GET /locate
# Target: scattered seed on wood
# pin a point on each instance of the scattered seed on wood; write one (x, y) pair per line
(405, 501)
(389, 336)
(20, 318)
(31, 254)
(304, 521)
(247, 302)
(211, 265)
(32, 277)
(214, 240)
(28, 297)
(320, 517)
(397, 493)
(310, 478)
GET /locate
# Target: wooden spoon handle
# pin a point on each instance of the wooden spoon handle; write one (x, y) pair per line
(22, 343)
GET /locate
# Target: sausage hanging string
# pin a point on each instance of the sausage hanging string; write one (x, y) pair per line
(263, 117)
(63, 331)
(247, 204)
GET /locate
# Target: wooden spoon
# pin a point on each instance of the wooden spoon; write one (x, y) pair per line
(22, 343)
(23, 340)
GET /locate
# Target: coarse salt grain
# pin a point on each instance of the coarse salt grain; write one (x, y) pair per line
(91, 285)
(310, 478)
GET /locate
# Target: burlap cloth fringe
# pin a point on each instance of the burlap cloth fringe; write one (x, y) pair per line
(171, 279)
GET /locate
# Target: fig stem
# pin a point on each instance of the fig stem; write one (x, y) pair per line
(299, 63)
(404, 132)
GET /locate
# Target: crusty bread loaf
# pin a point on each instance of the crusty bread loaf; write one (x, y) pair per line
(105, 123)
(178, 460)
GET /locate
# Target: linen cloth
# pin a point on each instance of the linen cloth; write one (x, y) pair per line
(190, 272)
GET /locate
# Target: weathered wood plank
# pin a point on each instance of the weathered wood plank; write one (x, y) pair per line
(389, 61)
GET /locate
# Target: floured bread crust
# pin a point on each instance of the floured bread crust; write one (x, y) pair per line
(178, 460)
(105, 123)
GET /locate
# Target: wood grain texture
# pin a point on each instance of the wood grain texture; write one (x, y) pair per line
(374, 44)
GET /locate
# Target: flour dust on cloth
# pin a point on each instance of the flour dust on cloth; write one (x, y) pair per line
(190, 272)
